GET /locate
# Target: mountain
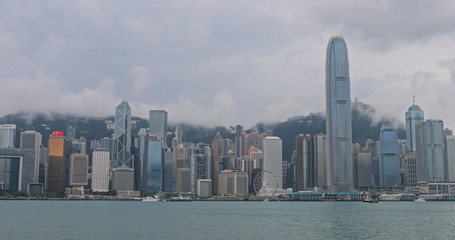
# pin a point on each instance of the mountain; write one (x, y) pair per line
(363, 127)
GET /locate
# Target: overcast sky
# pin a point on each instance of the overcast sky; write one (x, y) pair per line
(223, 62)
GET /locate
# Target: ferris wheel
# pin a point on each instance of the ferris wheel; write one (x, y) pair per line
(265, 184)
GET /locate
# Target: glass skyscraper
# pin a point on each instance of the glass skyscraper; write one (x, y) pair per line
(158, 125)
(430, 151)
(414, 116)
(156, 144)
(338, 110)
(389, 160)
(122, 135)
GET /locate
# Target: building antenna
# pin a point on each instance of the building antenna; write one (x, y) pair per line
(413, 96)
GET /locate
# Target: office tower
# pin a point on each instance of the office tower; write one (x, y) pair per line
(373, 146)
(70, 132)
(237, 183)
(227, 145)
(338, 110)
(272, 158)
(430, 151)
(223, 182)
(201, 164)
(123, 179)
(158, 125)
(78, 146)
(78, 170)
(204, 187)
(183, 180)
(450, 158)
(284, 173)
(251, 163)
(362, 168)
(140, 160)
(402, 151)
(320, 153)
(411, 168)
(179, 159)
(56, 167)
(389, 159)
(154, 165)
(122, 135)
(303, 161)
(17, 168)
(168, 170)
(253, 139)
(32, 140)
(238, 141)
(217, 151)
(175, 143)
(7, 135)
(447, 132)
(178, 134)
(414, 116)
(100, 170)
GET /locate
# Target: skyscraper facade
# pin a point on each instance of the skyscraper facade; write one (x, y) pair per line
(430, 151)
(100, 170)
(78, 170)
(56, 167)
(414, 116)
(201, 164)
(389, 159)
(32, 140)
(7, 135)
(158, 125)
(338, 110)
(122, 135)
(272, 160)
(450, 158)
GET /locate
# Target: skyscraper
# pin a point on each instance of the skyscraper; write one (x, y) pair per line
(389, 159)
(56, 167)
(272, 160)
(158, 125)
(100, 170)
(78, 170)
(7, 135)
(430, 151)
(201, 164)
(32, 140)
(414, 116)
(122, 135)
(338, 110)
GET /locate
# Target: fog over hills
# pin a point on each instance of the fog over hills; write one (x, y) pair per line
(365, 124)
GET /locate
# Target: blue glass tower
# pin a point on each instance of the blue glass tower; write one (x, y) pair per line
(338, 124)
(414, 116)
(122, 135)
(389, 160)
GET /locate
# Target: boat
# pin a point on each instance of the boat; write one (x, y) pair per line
(151, 199)
(420, 199)
(371, 200)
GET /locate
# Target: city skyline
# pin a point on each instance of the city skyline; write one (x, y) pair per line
(203, 63)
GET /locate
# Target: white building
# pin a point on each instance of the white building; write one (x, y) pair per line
(7, 135)
(100, 170)
(272, 160)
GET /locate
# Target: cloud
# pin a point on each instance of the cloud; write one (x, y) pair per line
(282, 111)
(141, 80)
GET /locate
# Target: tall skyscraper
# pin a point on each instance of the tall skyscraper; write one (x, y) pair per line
(338, 110)
(7, 135)
(56, 167)
(122, 135)
(140, 160)
(201, 164)
(450, 158)
(430, 151)
(78, 170)
(158, 125)
(178, 134)
(32, 140)
(414, 116)
(272, 160)
(389, 159)
(362, 168)
(100, 170)
(168, 170)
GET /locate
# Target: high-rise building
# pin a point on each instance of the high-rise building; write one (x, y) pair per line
(217, 151)
(414, 116)
(70, 132)
(32, 140)
(56, 167)
(154, 165)
(338, 110)
(450, 158)
(320, 153)
(204, 187)
(201, 164)
(168, 170)
(122, 135)
(373, 146)
(303, 162)
(389, 159)
(140, 160)
(272, 160)
(123, 179)
(362, 168)
(7, 135)
(430, 151)
(158, 125)
(411, 168)
(178, 134)
(17, 168)
(100, 170)
(78, 170)
(183, 180)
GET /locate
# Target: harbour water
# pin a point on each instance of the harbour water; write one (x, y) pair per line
(225, 220)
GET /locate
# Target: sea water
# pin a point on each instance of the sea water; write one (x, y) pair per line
(225, 220)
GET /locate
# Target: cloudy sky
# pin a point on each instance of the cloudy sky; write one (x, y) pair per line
(223, 62)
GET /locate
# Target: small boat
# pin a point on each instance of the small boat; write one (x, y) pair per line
(371, 200)
(420, 199)
(151, 199)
